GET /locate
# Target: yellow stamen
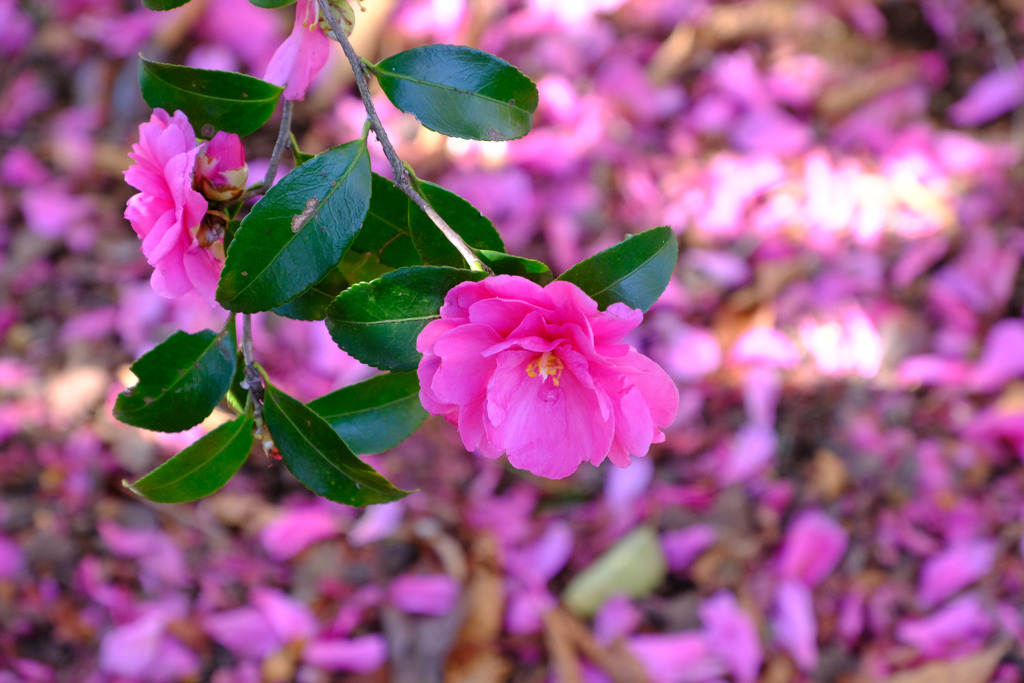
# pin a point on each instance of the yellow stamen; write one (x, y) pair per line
(547, 365)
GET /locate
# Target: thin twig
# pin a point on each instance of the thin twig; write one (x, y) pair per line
(252, 375)
(401, 176)
(282, 138)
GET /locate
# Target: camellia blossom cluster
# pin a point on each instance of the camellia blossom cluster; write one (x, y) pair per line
(176, 176)
(541, 374)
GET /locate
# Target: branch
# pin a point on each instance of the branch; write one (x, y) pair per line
(253, 380)
(282, 138)
(401, 176)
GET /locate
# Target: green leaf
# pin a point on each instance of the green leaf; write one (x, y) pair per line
(271, 4)
(298, 231)
(374, 415)
(318, 457)
(228, 101)
(202, 468)
(361, 267)
(180, 381)
(237, 396)
(459, 91)
(635, 566)
(311, 304)
(300, 156)
(162, 5)
(433, 247)
(506, 264)
(385, 232)
(634, 271)
(377, 322)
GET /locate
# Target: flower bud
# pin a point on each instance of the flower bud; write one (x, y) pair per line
(221, 172)
(343, 13)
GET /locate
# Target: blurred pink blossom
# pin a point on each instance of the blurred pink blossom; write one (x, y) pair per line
(959, 627)
(765, 345)
(848, 343)
(530, 567)
(376, 523)
(796, 628)
(297, 529)
(273, 620)
(12, 560)
(540, 374)
(20, 168)
(683, 546)
(956, 567)
(18, 28)
(684, 657)
(362, 654)
(992, 95)
(732, 635)
(167, 212)
(161, 560)
(814, 545)
(430, 594)
(144, 650)
(1001, 358)
(616, 618)
(303, 53)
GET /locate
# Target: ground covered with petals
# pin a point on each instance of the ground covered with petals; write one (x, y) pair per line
(841, 497)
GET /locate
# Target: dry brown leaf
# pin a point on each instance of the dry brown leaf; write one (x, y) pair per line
(565, 664)
(976, 668)
(480, 666)
(828, 474)
(843, 97)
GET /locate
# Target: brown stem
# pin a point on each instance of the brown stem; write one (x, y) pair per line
(401, 176)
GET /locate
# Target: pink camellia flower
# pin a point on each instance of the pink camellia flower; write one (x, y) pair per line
(303, 53)
(167, 212)
(221, 171)
(541, 374)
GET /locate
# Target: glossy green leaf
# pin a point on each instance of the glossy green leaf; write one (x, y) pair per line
(377, 322)
(162, 5)
(271, 4)
(385, 232)
(237, 396)
(433, 247)
(300, 156)
(635, 566)
(298, 231)
(228, 101)
(180, 381)
(311, 304)
(460, 92)
(202, 468)
(634, 271)
(506, 264)
(361, 267)
(374, 415)
(318, 457)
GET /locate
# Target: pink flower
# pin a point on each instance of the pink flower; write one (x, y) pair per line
(167, 212)
(732, 635)
(303, 53)
(539, 373)
(431, 594)
(814, 545)
(956, 567)
(796, 628)
(220, 168)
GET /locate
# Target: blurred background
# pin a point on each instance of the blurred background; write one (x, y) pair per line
(840, 499)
